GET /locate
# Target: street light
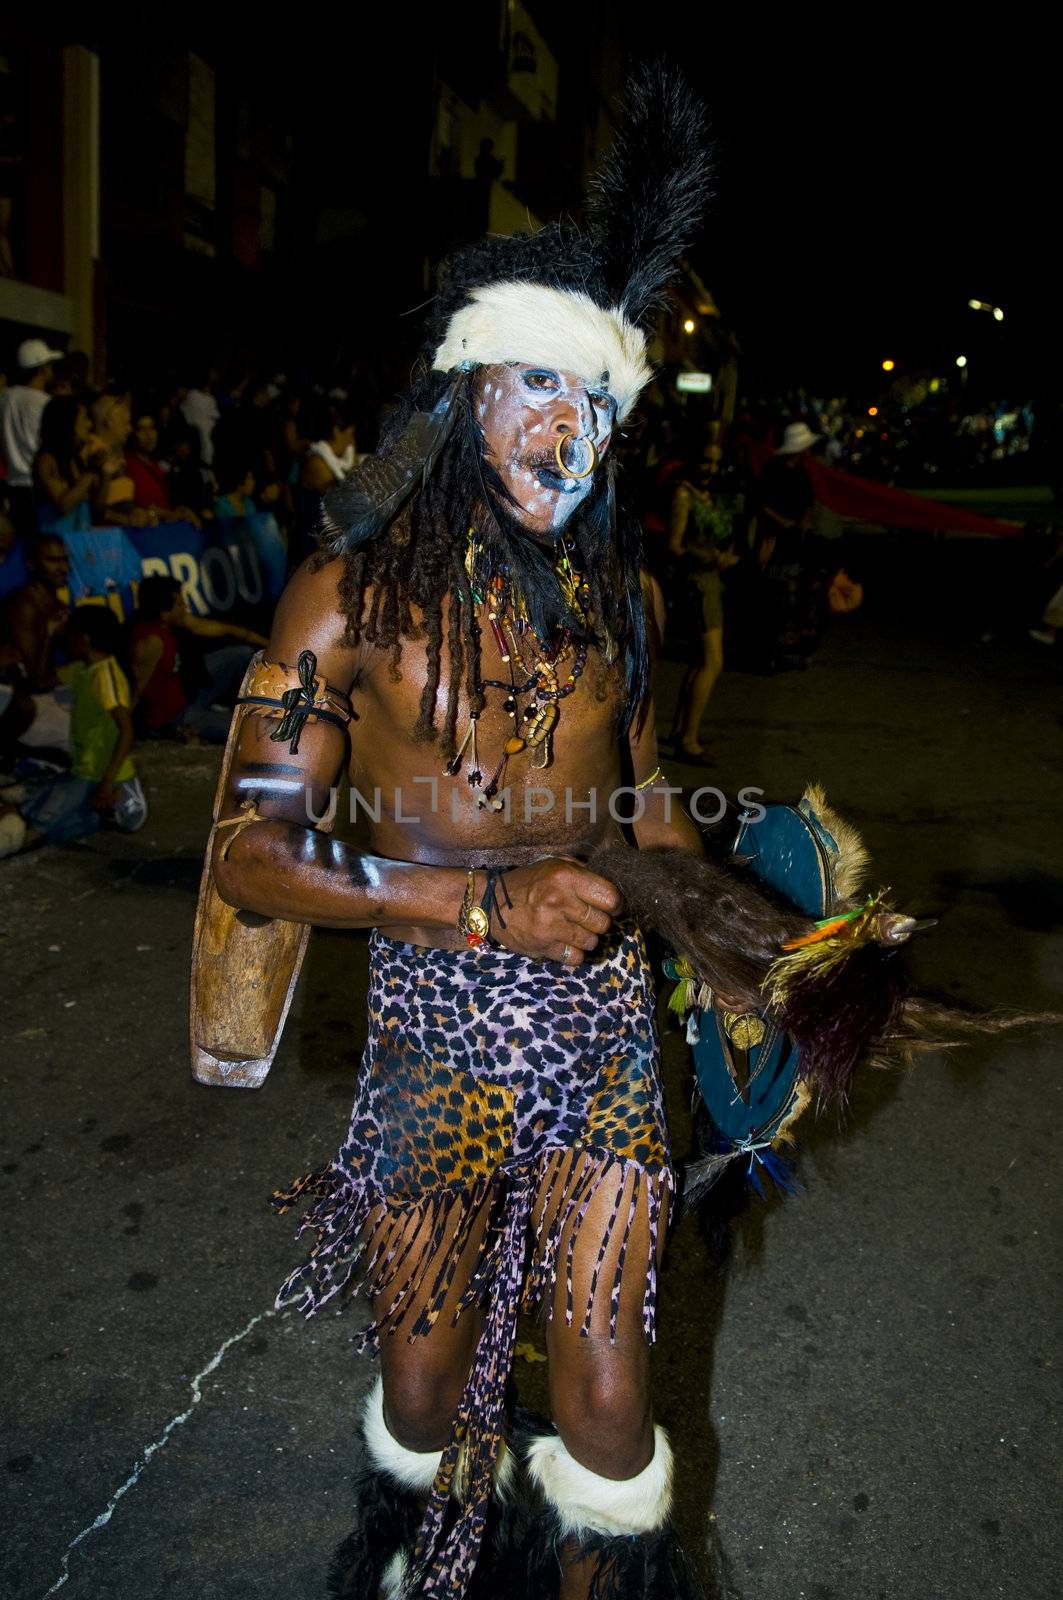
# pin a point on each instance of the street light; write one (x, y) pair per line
(689, 325)
(872, 411)
(888, 365)
(998, 314)
(961, 361)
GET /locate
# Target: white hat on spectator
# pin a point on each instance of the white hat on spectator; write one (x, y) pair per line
(35, 353)
(798, 437)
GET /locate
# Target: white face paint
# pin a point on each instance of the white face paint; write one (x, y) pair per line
(526, 412)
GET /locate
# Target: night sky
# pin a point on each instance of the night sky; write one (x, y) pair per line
(869, 184)
(870, 180)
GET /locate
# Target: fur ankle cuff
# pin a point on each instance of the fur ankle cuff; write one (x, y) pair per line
(585, 1502)
(394, 1579)
(416, 1469)
(413, 1469)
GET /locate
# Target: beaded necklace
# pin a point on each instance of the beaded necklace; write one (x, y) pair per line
(544, 686)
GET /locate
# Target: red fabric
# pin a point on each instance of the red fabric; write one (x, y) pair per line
(149, 483)
(849, 496)
(163, 700)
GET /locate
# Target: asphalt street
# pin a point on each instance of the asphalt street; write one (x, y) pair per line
(865, 1405)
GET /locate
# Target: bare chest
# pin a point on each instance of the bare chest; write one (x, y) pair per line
(530, 772)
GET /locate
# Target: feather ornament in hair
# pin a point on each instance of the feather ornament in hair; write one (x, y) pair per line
(369, 499)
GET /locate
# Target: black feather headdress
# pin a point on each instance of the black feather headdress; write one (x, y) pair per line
(583, 300)
(647, 198)
(579, 300)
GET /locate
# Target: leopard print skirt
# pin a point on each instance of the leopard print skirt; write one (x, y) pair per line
(500, 1091)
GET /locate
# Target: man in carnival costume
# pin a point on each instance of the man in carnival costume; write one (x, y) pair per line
(472, 641)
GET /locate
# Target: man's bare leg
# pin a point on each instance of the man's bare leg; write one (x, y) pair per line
(599, 1389)
(699, 689)
(424, 1377)
(407, 1418)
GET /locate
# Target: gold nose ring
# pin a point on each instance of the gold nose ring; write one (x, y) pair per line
(559, 453)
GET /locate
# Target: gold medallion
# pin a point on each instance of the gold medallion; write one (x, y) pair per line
(744, 1028)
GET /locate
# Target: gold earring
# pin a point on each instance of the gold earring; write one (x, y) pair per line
(559, 453)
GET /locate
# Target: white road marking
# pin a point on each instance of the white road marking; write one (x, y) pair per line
(150, 1450)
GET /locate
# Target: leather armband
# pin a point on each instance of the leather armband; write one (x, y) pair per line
(295, 696)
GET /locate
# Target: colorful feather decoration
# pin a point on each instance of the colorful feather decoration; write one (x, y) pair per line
(813, 955)
(688, 992)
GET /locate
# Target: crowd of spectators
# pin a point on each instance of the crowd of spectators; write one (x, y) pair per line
(76, 689)
(743, 545)
(922, 433)
(73, 457)
(731, 534)
(79, 687)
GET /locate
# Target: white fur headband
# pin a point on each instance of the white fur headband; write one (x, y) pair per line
(557, 328)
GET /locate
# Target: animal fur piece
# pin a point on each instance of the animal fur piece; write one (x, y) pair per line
(585, 1502)
(850, 869)
(414, 1470)
(709, 911)
(551, 327)
(838, 1023)
(390, 1498)
(573, 1514)
(630, 1569)
(647, 199)
(387, 1517)
(731, 930)
(625, 1568)
(924, 1024)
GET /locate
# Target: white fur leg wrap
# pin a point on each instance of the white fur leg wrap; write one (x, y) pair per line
(416, 1469)
(394, 1578)
(585, 1502)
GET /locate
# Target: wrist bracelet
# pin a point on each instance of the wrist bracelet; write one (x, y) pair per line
(473, 921)
(496, 879)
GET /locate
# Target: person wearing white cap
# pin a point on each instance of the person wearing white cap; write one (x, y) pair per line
(20, 427)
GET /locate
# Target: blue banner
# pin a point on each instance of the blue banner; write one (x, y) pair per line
(226, 569)
(13, 569)
(102, 562)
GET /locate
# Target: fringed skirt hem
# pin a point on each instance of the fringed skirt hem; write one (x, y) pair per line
(387, 1245)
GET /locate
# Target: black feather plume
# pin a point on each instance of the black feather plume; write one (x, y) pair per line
(648, 196)
(369, 499)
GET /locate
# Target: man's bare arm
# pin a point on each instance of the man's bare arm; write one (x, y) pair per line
(663, 820)
(147, 653)
(280, 866)
(208, 628)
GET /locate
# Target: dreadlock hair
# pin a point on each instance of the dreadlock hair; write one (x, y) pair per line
(417, 563)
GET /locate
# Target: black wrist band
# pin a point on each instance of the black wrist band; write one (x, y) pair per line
(489, 903)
